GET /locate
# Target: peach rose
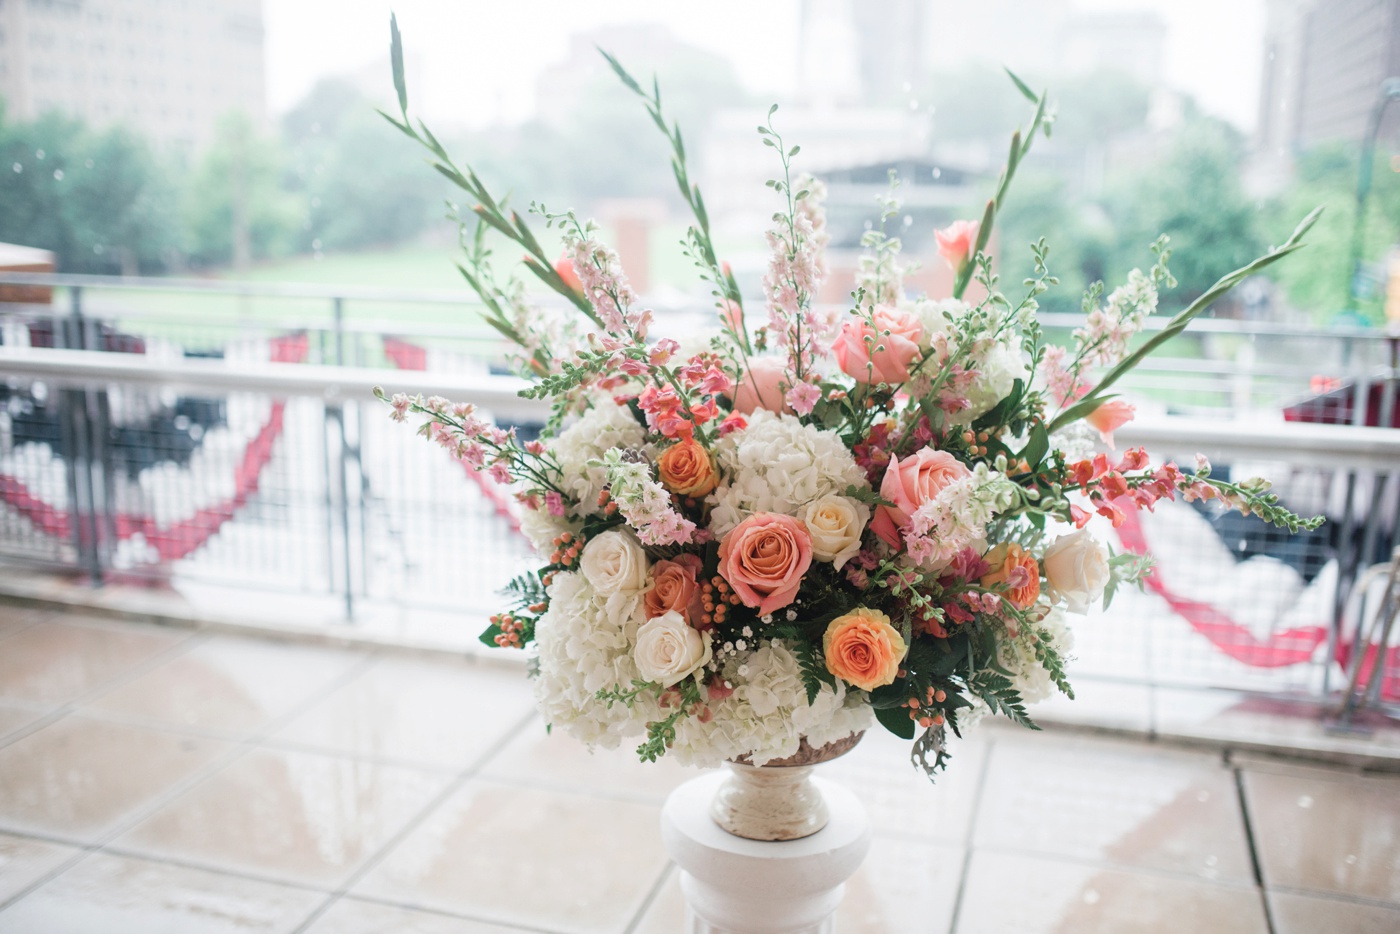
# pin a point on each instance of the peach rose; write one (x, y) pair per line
(763, 558)
(870, 355)
(909, 484)
(687, 469)
(863, 648)
(761, 386)
(1109, 417)
(955, 242)
(674, 589)
(1013, 564)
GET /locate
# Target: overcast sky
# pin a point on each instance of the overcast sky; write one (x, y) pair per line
(479, 57)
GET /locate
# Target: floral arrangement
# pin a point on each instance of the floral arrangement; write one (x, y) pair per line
(800, 525)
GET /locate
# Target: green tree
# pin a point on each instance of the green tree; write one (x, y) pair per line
(362, 183)
(236, 209)
(1193, 193)
(1318, 279)
(101, 201)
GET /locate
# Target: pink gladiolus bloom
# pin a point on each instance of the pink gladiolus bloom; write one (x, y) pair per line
(1109, 417)
(955, 242)
(663, 351)
(731, 314)
(1080, 516)
(500, 473)
(564, 266)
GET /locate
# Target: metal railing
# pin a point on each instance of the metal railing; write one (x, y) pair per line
(244, 460)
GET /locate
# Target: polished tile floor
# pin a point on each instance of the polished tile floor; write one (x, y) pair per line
(166, 780)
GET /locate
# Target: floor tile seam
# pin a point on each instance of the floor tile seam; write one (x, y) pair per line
(168, 654)
(433, 910)
(416, 820)
(235, 751)
(274, 743)
(652, 895)
(257, 736)
(19, 629)
(560, 787)
(1346, 898)
(216, 868)
(1088, 862)
(955, 915)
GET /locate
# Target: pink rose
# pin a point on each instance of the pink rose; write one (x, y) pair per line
(1109, 417)
(955, 242)
(674, 587)
(764, 557)
(909, 484)
(761, 386)
(869, 355)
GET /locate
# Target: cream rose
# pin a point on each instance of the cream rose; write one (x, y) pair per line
(836, 524)
(614, 562)
(1077, 568)
(667, 649)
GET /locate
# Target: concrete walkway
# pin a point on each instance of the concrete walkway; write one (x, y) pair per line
(160, 779)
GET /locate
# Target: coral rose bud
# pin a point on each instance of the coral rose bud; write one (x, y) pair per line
(1109, 417)
(868, 354)
(955, 242)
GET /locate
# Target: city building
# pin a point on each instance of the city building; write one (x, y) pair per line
(168, 68)
(1323, 67)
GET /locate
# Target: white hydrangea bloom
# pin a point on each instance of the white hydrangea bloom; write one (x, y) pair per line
(603, 427)
(779, 465)
(585, 645)
(768, 714)
(542, 529)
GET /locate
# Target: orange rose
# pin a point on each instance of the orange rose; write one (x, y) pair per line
(1013, 565)
(763, 558)
(863, 648)
(687, 468)
(674, 588)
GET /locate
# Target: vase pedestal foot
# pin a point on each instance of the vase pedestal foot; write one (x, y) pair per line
(733, 885)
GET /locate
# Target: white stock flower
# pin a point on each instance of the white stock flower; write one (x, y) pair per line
(1077, 567)
(998, 363)
(836, 524)
(777, 464)
(614, 563)
(603, 427)
(668, 649)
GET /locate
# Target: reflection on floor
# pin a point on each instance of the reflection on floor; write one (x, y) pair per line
(158, 779)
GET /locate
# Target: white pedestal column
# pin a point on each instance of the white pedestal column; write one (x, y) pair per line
(738, 886)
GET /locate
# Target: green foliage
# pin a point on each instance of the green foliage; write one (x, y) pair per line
(809, 660)
(1194, 194)
(361, 183)
(1319, 282)
(235, 199)
(101, 201)
(998, 693)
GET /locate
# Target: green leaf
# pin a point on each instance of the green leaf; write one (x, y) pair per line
(1037, 446)
(488, 636)
(896, 720)
(396, 63)
(1021, 86)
